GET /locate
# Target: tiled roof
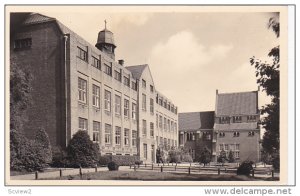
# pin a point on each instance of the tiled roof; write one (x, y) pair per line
(237, 103)
(196, 120)
(35, 18)
(236, 126)
(136, 70)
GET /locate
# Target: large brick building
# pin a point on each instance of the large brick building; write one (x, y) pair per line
(79, 86)
(232, 127)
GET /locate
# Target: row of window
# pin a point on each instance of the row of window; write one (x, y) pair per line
(166, 143)
(236, 119)
(144, 104)
(107, 69)
(228, 147)
(144, 86)
(193, 136)
(144, 128)
(167, 105)
(166, 124)
(237, 134)
(82, 97)
(22, 43)
(83, 125)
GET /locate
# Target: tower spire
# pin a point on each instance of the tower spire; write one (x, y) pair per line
(105, 23)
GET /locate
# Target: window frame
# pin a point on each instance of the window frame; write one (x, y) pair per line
(96, 96)
(82, 90)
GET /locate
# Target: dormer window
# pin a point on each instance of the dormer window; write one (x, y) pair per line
(82, 54)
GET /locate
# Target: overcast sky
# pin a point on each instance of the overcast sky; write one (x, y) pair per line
(190, 54)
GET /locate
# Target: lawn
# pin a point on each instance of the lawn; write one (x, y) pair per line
(155, 176)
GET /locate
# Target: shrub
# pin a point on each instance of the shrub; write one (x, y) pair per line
(245, 168)
(186, 158)
(205, 156)
(81, 151)
(231, 158)
(105, 159)
(276, 161)
(174, 156)
(112, 166)
(138, 162)
(59, 158)
(17, 150)
(222, 158)
(42, 137)
(125, 160)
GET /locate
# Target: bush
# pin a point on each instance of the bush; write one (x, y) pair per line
(42, 137)
(245, 168)
(105, 159)
(26, 155)
(222, 158)
(231, 158)
(112, 166)
(174, 156)
(138, 162)
(276, 161)
(81, 151)
(186, 158)
(205, 156)
(59, 158)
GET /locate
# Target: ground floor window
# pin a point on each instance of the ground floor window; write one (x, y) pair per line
(118, 135)
(107, 133)
(96, 131)
(145, 151)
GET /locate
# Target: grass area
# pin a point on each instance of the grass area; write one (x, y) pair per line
(155, 176)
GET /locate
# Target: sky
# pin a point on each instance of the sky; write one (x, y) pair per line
(190, 54)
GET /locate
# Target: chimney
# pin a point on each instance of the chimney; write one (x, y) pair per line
(121, 62)
(217, 91)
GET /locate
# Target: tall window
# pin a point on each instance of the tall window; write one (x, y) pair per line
(107, 69)
(82, 90)
(126, 108)
(118, 135)
(237, 146)
(168, 125)
(117, 75)
(172, 126)
(151, 129)
(126, 137)
(145, 151)
(96, 62)
(96, 96)
(96, 131)
(134, 136)
(107, 134)
(82, 124)
(107, 101)
(156, 120)
(133, 111)
(165, 124)
(151, 88)
(151, 106)
(117, 105)
(144, 106)
(160, 122)
(237, 154)
(133, 85)
(144, 128)
(144, 83)
(82, 54)
(126, 81)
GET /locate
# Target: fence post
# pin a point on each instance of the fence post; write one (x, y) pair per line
(134, 167)
(161, 169)
(36, 175)
(145, 165)
(168, 163)
(272, 173)
(252, 172)
(175, 167)
(219, 171)
(80, 172)
(60, 173)
(199, 168)
(163, 164)
(189, 170)
(96, 169)
(190, 164)
(172, 163)
(225, 169)
(152, 167)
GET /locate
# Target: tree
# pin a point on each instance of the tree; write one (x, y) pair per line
(82, 152)
(222, 157)
(205, 156)
(268, 78)
(20, 94)
(231, 158)
(42, 137)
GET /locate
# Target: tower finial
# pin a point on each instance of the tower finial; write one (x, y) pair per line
(105, 23)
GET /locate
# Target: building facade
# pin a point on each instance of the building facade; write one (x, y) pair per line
(79, 86)
(233, 126)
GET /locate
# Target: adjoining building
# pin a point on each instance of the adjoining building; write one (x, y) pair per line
(234, 126)
(79, 86)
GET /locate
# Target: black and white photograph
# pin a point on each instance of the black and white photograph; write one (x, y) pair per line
(146, 95)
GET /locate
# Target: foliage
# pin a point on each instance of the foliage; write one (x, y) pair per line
(112, 166)
(42, 137)
(245, 168)
(104, 160)
(276, 161)
(222, 157)
(231, 158)
(174, 156)
(82, 152)
(20, 94)
(162, 155)
(268, 78)
(59, 158)
(205, 156)
(27, 155)
(178, 156)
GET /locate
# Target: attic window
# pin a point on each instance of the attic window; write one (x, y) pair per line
(22, 43)
(82, 54)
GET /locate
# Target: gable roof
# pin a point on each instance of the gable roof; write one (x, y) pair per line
(35, 18)
(136, 70)
(196, 120)
(242, 103)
